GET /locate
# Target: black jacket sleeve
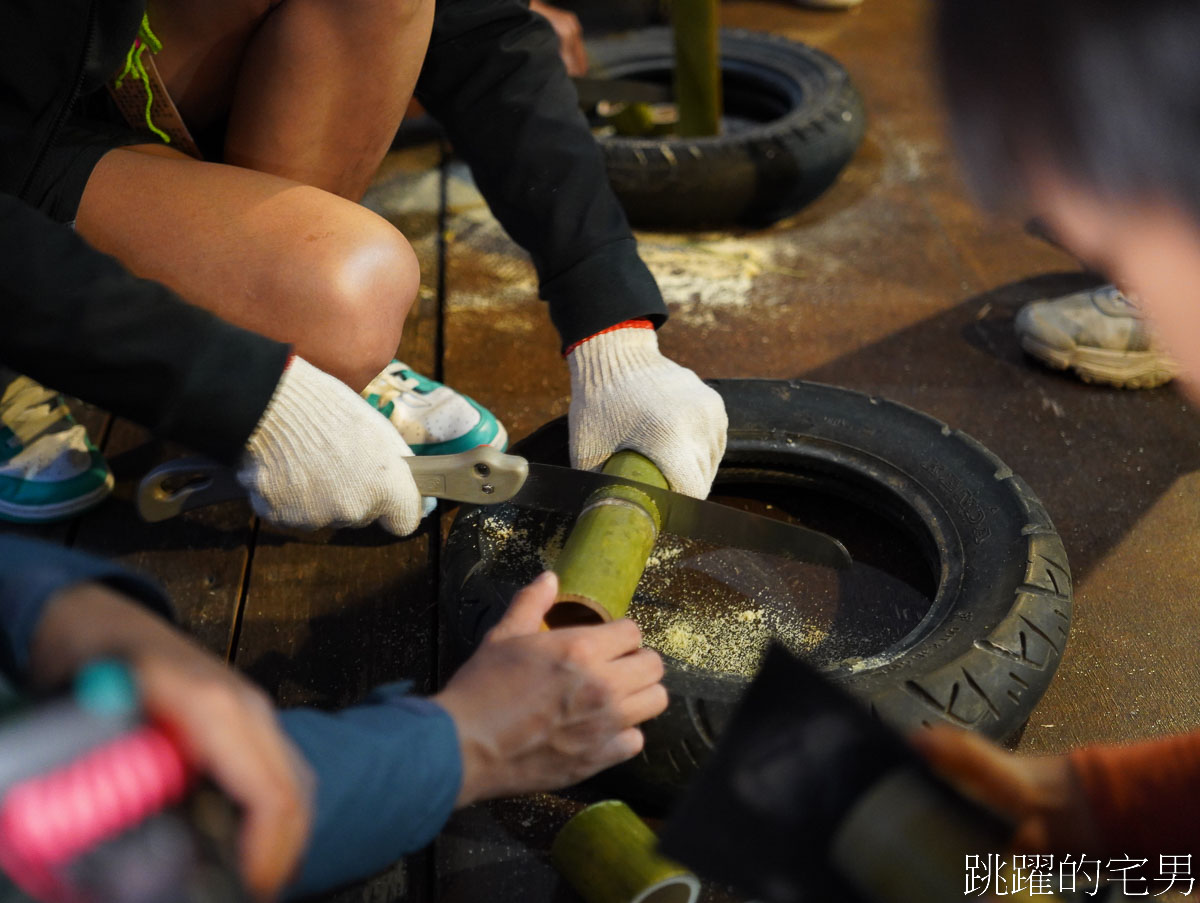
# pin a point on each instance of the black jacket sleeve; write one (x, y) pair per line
(32, 572)
(494, 79)
(75, 320)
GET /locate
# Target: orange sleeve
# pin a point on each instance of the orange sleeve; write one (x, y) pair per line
(1145, 797)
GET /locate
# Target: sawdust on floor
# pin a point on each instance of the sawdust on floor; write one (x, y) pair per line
(713, 609)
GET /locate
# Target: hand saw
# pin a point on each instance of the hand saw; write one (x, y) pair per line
(485, 476)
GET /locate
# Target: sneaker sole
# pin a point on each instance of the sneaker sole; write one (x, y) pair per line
(1123, 369)
(41, 514)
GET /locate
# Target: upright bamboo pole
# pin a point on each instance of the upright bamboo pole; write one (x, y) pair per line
(697, 67)
(603, 558)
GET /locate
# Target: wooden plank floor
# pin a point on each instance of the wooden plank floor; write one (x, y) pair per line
(890, 283)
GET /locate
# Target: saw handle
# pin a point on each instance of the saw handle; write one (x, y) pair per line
(481, 476)
(183, 484)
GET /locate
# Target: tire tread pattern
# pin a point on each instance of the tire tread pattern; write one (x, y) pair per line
(984, 667)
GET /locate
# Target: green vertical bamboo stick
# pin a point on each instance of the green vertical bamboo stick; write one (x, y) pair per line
(608, 855)
(603, 558)
(697, 67)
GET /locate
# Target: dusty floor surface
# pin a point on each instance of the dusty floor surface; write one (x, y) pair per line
(890, 283)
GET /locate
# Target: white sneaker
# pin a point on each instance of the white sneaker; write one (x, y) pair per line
(1100, 335)
(432, 418)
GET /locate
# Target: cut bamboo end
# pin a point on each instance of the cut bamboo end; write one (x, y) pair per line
(608, 855)
(603, 557)
(677, 889)
(575, 611)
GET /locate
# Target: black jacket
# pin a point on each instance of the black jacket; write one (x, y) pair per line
(494, 79)
(54, 53)
(492, 76)
(74, 319)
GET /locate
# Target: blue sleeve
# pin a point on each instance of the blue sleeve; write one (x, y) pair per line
(388, 772)
(31, 572)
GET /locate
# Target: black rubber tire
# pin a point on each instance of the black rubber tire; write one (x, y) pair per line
(983, 655)
(808, 119)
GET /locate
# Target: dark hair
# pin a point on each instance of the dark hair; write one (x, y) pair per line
(1106, 92)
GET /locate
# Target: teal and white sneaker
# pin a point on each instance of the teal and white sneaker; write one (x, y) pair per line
(432, 418)
(49, 469)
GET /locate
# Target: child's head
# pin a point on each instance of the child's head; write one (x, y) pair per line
(1087, 112)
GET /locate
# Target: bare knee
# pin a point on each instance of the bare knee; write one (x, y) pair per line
(365, 283)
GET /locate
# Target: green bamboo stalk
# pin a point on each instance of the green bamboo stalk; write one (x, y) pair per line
(697, 67)
(603, 557)
(634, 120)
(608, 855)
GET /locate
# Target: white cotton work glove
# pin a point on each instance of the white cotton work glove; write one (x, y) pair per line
(626, 395)
(321, 456)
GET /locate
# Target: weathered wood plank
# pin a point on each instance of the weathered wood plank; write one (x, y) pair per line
(329, 615)
(199, 558)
